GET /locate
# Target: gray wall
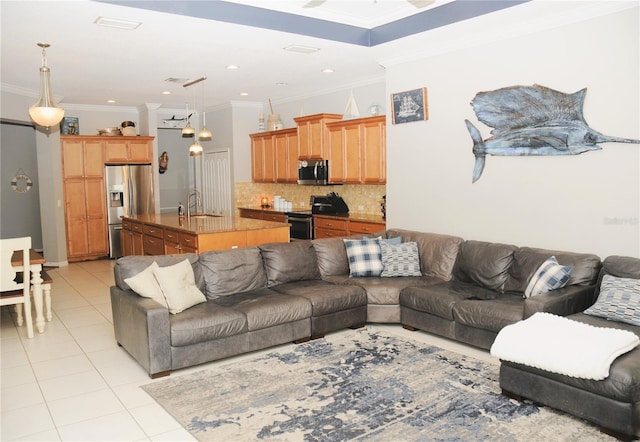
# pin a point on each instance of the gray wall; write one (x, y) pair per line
(174, 183)
(19, 212)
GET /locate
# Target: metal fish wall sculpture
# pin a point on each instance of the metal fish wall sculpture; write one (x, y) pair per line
(532, 120)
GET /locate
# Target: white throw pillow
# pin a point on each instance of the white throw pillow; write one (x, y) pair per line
(179, 286)
(146, 285)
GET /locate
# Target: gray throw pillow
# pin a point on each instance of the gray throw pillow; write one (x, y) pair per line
(619, 300)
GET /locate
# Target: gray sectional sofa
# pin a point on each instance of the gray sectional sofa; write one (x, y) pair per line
(257, 297)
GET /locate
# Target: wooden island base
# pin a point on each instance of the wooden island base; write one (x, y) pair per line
(164, 234)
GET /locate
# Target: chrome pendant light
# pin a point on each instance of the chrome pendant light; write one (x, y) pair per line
(45, 112)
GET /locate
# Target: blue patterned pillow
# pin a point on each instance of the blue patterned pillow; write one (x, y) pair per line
(400, 259)
(364, 257)
(619, 300)
(549, 276)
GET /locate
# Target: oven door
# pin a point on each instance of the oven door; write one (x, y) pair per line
(301, 226)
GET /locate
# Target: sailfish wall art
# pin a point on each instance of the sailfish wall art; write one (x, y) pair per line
(532, 120)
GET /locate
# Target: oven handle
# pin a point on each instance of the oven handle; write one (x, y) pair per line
(301, 219)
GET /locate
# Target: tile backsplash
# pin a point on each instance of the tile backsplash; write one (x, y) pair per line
(361, 198)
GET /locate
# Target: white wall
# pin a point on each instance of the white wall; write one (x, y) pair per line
(584, 203)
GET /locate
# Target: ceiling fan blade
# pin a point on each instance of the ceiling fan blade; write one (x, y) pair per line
(313, 3)
(421, 3)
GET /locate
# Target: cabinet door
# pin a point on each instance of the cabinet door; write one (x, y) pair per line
(269, 158)
(73, 159)
(374, 152)
(117, 150)
(351, 147)
(286, 157)
(75, 217)
(262, 159)
(335, 152)
(140, 151)
(96, 219)
(304, 139)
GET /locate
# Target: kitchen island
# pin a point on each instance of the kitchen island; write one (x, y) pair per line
(165, 234)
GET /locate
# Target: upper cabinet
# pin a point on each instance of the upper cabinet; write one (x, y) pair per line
(274, 156)
(285, 144)
(312, 135)
(357, 151)
(129, 149)
(262, 158)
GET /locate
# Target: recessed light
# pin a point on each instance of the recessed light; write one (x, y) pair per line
(244, 94)
(117, 23)
(327, 71)
(166, 92)
(282, 83)
(301, 49)
(232, 67)
(111, 101)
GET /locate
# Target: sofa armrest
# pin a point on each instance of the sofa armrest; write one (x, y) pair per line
(142, 327)
(561, 302)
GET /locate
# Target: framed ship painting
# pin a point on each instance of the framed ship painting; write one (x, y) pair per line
(409, 106)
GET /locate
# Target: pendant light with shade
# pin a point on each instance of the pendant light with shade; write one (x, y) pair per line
(45, 112)
(204, 134)
(196, 149)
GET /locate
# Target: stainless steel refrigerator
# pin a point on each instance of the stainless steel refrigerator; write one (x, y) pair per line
(129, 192)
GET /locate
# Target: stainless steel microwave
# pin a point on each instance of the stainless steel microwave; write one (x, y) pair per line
(313, 172)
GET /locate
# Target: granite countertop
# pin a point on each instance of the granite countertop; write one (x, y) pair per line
(352, 216)
(204, 224)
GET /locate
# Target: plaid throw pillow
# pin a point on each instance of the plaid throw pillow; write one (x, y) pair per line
(619, 300)
(549, 276)
(364, 257)
(400, 260)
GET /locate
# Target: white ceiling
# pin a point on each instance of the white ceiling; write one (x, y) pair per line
(91, 64)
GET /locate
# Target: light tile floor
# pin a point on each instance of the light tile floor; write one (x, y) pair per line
(73, 382)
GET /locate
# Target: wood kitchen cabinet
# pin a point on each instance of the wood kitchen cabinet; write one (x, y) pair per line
(357, 151)
(313, 135)
(132, 238)
(84, 198)
(129, 150)
(286, 155)
(330, 227)
(266, 215)
(262, 158)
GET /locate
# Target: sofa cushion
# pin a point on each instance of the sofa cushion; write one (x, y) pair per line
(232, 271)
(526, 260)
(620, 266)
(129, 266)
(484, 263)
(619, 300)
(287, 262)
(331, 255)
(325, 297)
(364, 255)
(146, 285)
(265, 307)
(492, 315)
(178, 286)
(549, 276)
(400, 260)
(437, 252)
(205, 322)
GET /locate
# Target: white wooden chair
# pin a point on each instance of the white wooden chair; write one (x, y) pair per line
(16, 291)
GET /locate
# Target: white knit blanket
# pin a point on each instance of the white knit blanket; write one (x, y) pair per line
(560, 345)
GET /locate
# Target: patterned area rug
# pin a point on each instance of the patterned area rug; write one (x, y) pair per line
(359, 385)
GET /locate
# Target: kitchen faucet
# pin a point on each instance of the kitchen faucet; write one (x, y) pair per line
(195, 194)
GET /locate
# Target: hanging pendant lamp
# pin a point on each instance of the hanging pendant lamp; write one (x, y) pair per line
(204, 134)
(195, 149)
(45, 112)
(187, 130)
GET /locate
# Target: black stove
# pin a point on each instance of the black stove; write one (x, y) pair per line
(329, 204)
